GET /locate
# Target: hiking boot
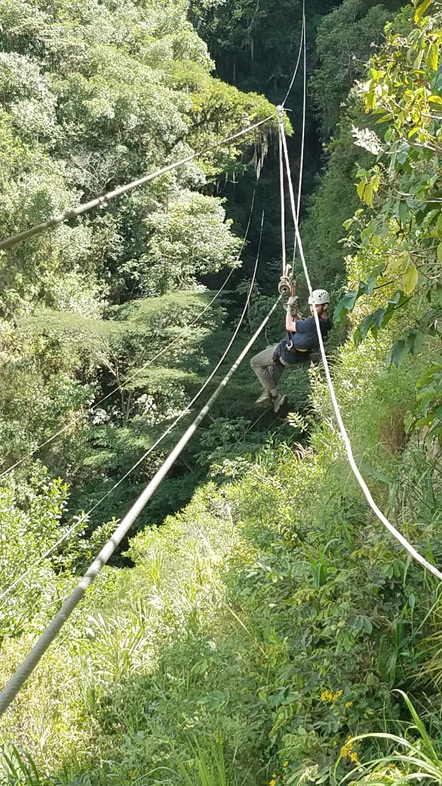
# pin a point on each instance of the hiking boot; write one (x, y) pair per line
(264, 399)
(278, 401)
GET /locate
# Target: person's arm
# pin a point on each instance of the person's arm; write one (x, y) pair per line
(290, 322)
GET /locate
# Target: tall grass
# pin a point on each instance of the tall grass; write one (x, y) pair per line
(19, 769)
(408, 760)
(207, 767)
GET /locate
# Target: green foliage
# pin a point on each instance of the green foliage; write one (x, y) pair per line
(427, 413)
(403, 188)
(189, 239)
(409, 758)
(91, 99)
(262, 627)
(271, 613)
(19, 770)
(344, 43)
(30, 525)
(207, 769)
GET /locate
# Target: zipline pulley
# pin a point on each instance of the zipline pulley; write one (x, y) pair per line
(287, 284)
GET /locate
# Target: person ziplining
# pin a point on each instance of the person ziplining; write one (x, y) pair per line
(301, 339)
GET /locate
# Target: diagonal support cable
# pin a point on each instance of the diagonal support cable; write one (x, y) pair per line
(103, 200)
(139, 461)
(142, 368)
(10, 690)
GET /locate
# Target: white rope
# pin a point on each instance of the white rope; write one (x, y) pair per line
(83, 208)
(393, 531)
(179, 417)
(142, 368)
(302, 48)
(11, 689)
(299, 56)
(282, 200)
(304, 114)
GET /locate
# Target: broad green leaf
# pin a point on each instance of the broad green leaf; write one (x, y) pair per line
(410, 278)
(397, 353)
(360, 189)
(378, 317)
(420, 10)
(439, 252)
(371, 283)
(384, 119)
(399, 263)
(368, 195)
(357, 338)
(433, 57)
(345, 305)
(403, 211)
(418, 61)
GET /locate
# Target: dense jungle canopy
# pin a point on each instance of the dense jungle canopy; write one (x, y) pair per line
(259, 625)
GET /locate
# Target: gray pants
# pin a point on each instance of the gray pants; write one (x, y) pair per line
(267, 371)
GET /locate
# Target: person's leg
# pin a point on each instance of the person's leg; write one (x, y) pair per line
(267, 371)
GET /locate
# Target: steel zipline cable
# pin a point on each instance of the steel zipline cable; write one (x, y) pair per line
(301, 44)
(165, 433)
(10, 690)
(393, 531)
(102, 200)
(288, 270)
(304, 115)
(140, 370)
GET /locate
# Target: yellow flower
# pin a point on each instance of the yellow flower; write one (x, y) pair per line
(348, 704)
(354, 757)
(345, 750)
(286, 764)
(272, 782)
(328, 695)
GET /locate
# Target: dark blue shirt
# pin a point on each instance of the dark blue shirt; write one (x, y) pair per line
(304, 339)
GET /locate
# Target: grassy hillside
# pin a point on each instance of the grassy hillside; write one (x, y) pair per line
(268, 620)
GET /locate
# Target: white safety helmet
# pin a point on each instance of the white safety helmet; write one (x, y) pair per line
(319, 297)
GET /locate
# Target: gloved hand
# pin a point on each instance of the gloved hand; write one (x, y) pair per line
(292, 304)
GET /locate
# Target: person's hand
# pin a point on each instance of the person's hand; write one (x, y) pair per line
(292, 305)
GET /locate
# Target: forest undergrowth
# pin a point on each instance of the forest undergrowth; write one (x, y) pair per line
(267, 621)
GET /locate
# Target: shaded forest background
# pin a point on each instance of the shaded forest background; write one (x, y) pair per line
(94, 102)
